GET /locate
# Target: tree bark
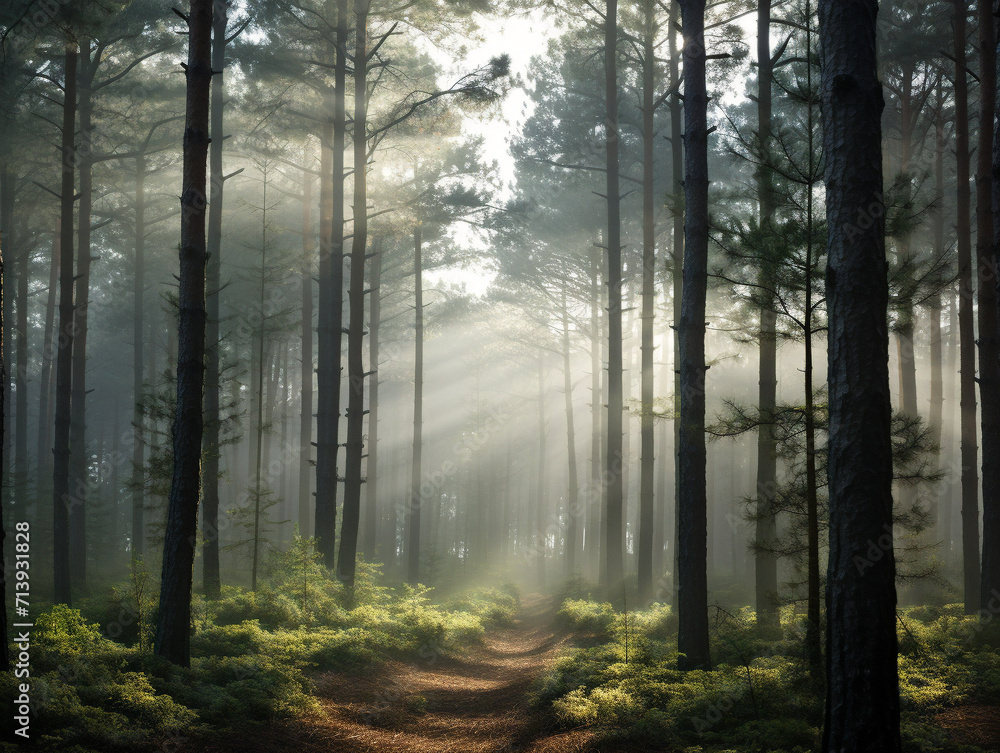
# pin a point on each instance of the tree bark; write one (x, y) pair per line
(306, 391)
(416, 470)
(677, 262)
(79, 472)
(174, 621)
(614, 461)
(138, 542)
(967, 337)
(862, 700)
(45, 383)
(989, 337)
(573, 482)
(692, 534)
(64, 357)
(347, 559)
(765, 530)
(331, 293)
(647, 451)
(210, 481)
(373, 513)
(4, 642)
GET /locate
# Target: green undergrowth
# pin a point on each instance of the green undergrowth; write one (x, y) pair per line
(621, 678)
(97, 686)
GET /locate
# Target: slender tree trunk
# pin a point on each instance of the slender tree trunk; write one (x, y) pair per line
(306, 392)
(331, 293)
(138, 344)
(593, 547)
(64, 357)
(347, 560)
(373, 513)
(416, 469)
(79, 466)
(692, 533)
(21, 381)
(173, 632)
(573, 485)
(210, 480)
(862, 700)
(45, 383)
(614, 461)
(765, 529)
(677, 263)
(967, 338)
(989, 337)
(540, 539)
(646, 478)
(936, 416)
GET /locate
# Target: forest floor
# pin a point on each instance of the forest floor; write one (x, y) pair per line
(474, 703)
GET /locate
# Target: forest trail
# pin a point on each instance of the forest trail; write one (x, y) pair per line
(474, 703)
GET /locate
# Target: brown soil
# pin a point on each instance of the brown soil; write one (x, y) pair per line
(972, 725)
(476, 703)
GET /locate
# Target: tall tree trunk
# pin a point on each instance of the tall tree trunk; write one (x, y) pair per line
(862, 700)
(355, 450)
(331, 293)
(306, 392)
(540, 539)
(967, 337)
(210, 481)
(765, 529)
(936, 416)
(173, 630)
(614, 461)
(64, 357)
(814, 649)
(45, 383)
(573, 485)
(138, 344)
(906, 325)
(646, 479)
(989, 337)
(21, 380)
(79, 466)
(692, 503)
(413, 509)
(676, 261)
(373, 513)
(593, 545)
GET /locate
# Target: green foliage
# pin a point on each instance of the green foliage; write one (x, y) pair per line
(251, 654)
(760, 695)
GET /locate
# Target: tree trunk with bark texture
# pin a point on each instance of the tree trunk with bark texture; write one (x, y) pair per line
(79, 465)
(306, 390)
(862, 700)
(573, 484)
(646, 469)
(138, 346)
(173, 631)
(614, 462)
(64, 357)
(989, 337)
(413, 509)
(966, 327)
(44, 452)
(210, 482)
(355, 450)
(765, 530)
(692, 503)
(373, 514)
(331, 293)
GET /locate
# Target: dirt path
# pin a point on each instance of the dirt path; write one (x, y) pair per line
(473, 704)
